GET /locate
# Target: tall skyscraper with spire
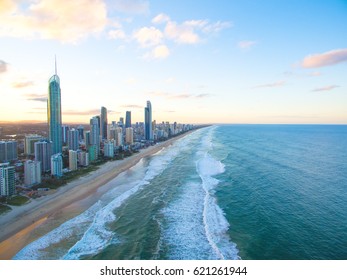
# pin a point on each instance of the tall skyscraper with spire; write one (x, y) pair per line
(54, 112)
(148, 121)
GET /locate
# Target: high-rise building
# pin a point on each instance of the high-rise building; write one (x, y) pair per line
(32, 173)
(148, 121)
(7, 180)
(87, 138)
(83, 158)
(129, 135)
(93, 153)
(8, 151)
(80, 129)
(128, 119)
(73, 139)
(72, 160)
(94, 132)
(65, 133)
(109, 149)
(54, 113)
(57, 165)
(103, 123)
(29, 143)
(43, 153)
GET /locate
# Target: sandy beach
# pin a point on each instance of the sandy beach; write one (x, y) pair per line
(17, 226)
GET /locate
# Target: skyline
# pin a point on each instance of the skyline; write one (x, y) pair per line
(238, 62)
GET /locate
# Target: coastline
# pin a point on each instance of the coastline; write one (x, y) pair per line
(18, 224)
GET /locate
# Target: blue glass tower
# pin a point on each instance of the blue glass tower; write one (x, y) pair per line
(54, 112)
(148, 121)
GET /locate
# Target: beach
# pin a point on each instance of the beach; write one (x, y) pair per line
(19, 227)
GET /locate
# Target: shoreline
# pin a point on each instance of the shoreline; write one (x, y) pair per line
(17, 224)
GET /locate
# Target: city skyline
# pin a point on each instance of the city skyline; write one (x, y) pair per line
(236, 62)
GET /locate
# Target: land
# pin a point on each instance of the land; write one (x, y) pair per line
(17, 225)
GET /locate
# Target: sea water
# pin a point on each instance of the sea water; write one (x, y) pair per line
(222, 192)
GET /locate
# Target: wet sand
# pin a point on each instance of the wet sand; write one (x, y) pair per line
(28, 222)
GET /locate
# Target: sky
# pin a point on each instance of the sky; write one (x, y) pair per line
(226, 61)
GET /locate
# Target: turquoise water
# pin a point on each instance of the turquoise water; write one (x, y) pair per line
(222, 192)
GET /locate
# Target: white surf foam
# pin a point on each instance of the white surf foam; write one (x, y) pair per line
(216, 225)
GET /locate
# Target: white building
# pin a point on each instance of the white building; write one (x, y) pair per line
(57, 165)
(129, 135)
(7, 180)
(32, 172)
(72, 160)
(29, 143)
(109, 149)
(83, 158)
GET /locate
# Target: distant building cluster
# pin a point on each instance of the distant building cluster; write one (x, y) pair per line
(70, 148)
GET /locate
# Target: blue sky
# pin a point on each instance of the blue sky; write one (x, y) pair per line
(197, 61)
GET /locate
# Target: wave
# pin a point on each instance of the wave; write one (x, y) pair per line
(90, 232)
(215, 223)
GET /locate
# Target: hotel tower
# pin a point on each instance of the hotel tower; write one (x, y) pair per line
(54, 112)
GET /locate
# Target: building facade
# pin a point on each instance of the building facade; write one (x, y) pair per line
(57, 165)
(72, 160)
(54, 113)
(8, 151)
(43, 153)
(32, 173)
(7, 180)
(29, 143)
(148, 122)
(72, 141)
(103, 123)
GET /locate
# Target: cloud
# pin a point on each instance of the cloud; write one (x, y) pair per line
(325, 59)
(148, 36)
(161, 18)
(132, 6)
(315, 74)
(217, 26)
(203, 95)
(327, 88)
(161, 51)
(3, 66)
(91, 112)
(66, 21)
(36, 97)
(116, 34)
(246, 45)
(276, 84)
(181, 33)
(22, 84)
(132, 106)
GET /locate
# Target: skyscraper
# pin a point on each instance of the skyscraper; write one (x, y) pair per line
(128, 119)
(148, 121)
(43, 153)
(7, 179)
(29, 143)
(8, 150)
(57, 165)
(54, 112)
(32, 172)
(73, 139)
(103, 123)
(94, 137)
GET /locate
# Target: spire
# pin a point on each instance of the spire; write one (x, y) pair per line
(55, 62)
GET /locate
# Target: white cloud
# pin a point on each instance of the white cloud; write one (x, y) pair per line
(246, 45)
(148, 36)
(217, 26)
(326, 88)
(161, 51)
(68, 21)
(182, 33)
(132, 6)
(325, 59)
(116, 34)
(3, 66)
(271, 85)
(161, 18)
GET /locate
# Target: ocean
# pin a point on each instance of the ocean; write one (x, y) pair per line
(221, 192)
